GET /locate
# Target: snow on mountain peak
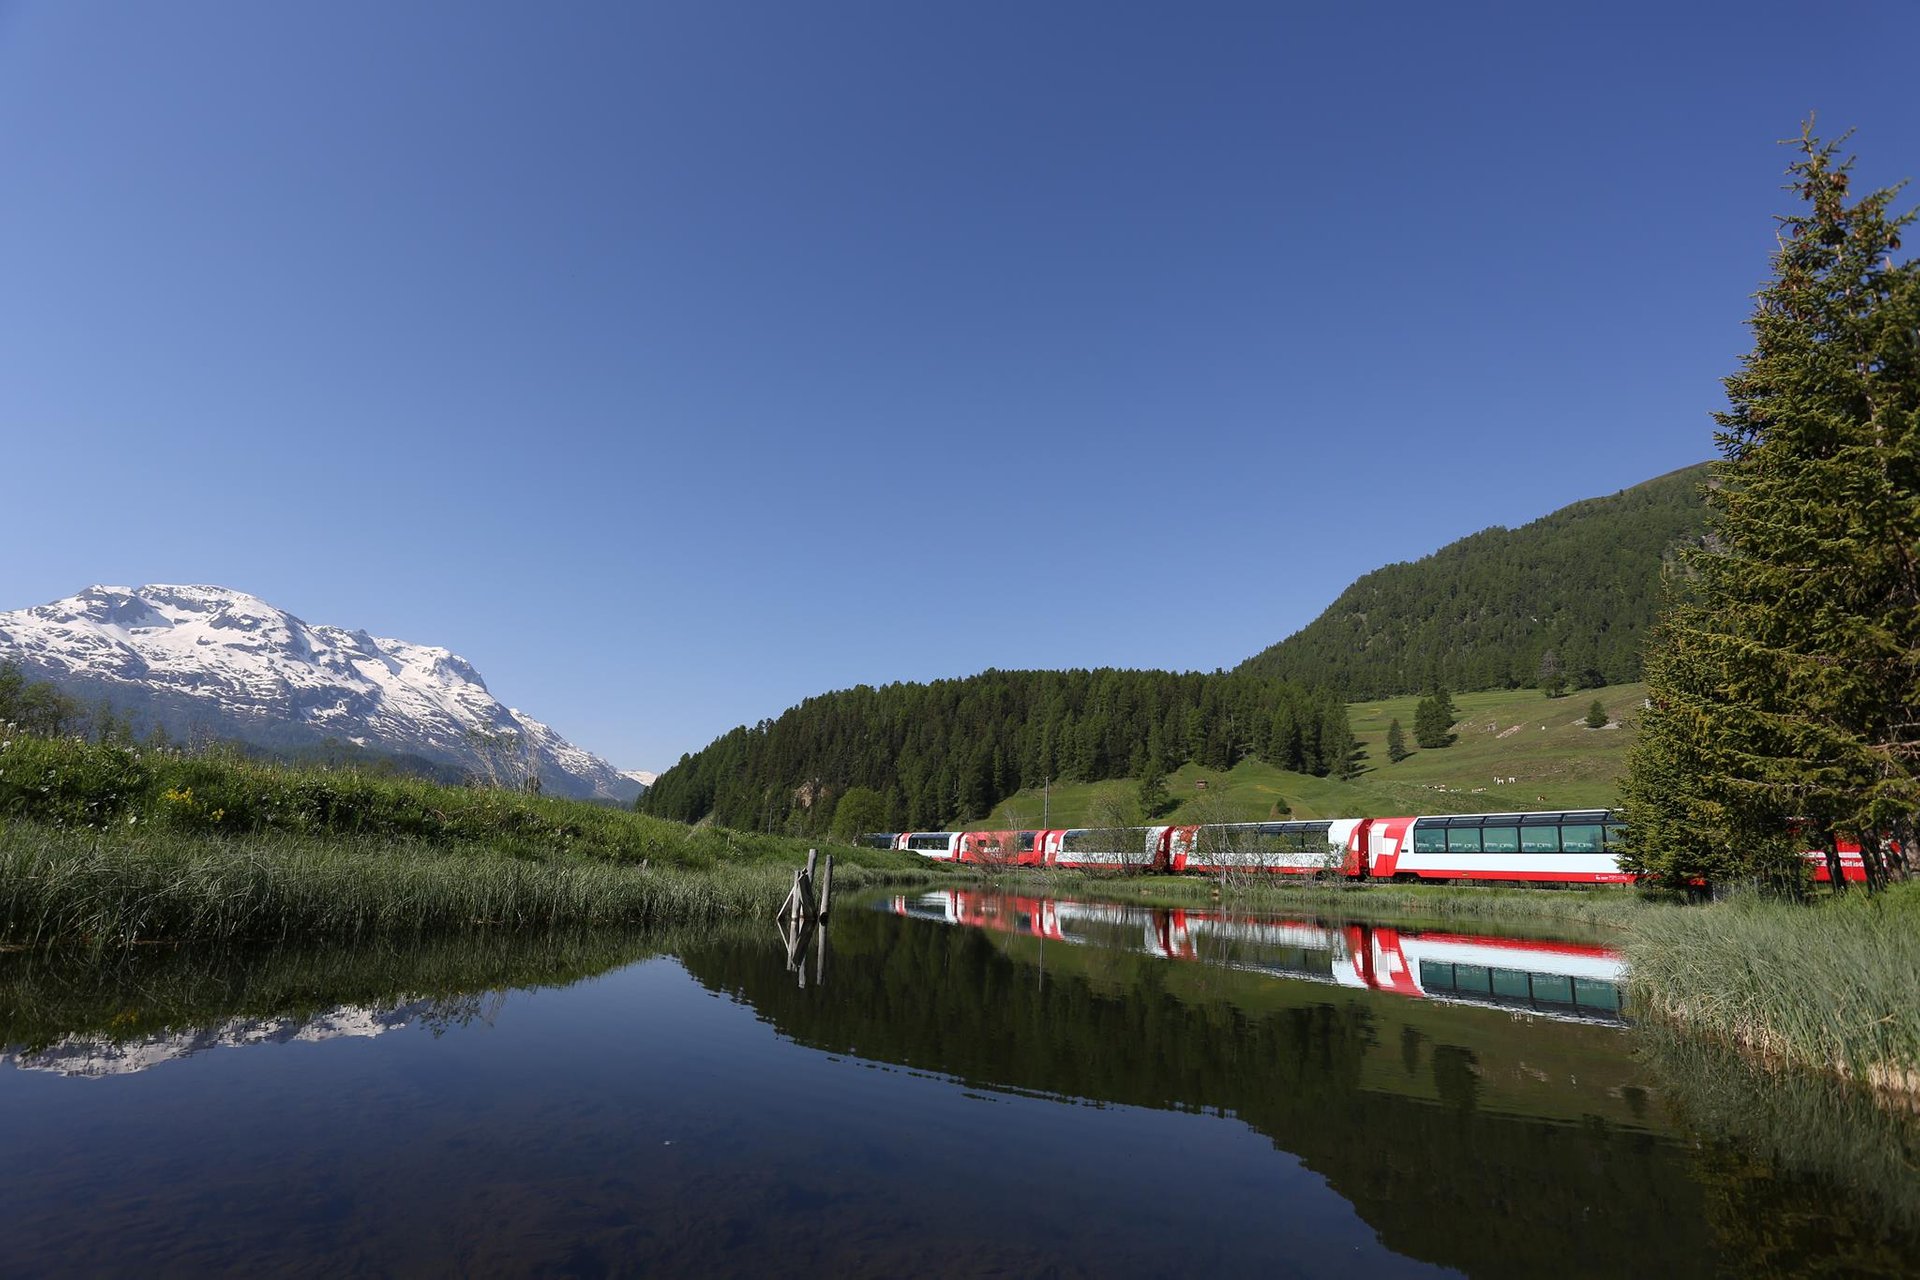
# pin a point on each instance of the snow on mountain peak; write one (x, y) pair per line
(212, 660)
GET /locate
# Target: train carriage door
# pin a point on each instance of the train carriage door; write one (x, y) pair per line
(1384, 839)
(1342, 838)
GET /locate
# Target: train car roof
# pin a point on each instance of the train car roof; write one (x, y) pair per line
(1553, 818)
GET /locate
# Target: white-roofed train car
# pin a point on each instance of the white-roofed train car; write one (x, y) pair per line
(1329, 846)
(1573, 847)
(1106, 848)
(941, 846)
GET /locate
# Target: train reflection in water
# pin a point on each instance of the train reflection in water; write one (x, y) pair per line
(1555, 979)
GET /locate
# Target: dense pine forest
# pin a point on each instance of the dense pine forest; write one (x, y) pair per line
(948, 751)
(1568, 598)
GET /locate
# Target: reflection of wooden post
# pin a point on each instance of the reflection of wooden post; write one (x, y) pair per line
(800, 914)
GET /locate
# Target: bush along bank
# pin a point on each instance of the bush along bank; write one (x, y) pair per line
(105, 845)
(72, 785)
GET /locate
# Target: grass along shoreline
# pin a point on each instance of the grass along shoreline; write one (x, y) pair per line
(1603, 908)
(105, 845)
(1832, 987)
(65, 888)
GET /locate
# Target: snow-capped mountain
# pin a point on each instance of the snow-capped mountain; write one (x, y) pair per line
(210, 661)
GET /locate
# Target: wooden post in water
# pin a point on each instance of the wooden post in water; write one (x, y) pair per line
(790, 905)
(800, 914)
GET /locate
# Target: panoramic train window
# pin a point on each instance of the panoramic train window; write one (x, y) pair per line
(1429, 839)
(1591, 994)
(1553, 988)
(1463, 840)
(1512, 984)
(1540, 839)
(1500, 839)
(1580, 839)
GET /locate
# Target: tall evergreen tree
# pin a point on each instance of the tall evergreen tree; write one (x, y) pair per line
(1553, 676)
(1397, 743)
(1782, 684)
(1433, 720)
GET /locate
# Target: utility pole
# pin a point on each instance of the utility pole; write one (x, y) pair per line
(1046, 794)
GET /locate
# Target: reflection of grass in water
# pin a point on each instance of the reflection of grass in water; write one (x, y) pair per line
(1771, 1139)
(45, 995)
(1830, 986)
(59, 887)
(1539, 911)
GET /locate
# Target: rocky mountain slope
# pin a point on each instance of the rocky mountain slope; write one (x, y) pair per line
(208, 661)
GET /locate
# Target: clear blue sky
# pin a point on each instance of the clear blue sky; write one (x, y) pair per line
(676, 362)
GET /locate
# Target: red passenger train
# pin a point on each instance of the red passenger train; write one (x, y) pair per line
(1579, 846)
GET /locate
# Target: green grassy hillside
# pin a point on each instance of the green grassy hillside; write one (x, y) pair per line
(1543, 744)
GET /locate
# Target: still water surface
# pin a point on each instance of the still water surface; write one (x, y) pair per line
(966, 1084)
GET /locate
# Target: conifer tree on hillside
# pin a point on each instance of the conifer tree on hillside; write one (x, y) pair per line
(1553, 676)
(1397, 743)
(1433, 720)
(1782, 685)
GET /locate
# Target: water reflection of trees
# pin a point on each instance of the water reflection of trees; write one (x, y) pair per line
(1454, 1183)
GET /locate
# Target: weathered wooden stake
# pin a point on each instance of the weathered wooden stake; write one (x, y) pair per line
(809, 909)
(800, 914)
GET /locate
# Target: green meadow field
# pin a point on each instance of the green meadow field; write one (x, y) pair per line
(1514, 749)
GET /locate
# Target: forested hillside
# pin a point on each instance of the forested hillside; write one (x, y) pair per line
(1581, 585)
(948, 751)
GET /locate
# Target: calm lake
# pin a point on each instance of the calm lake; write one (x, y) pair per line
(955, 1083)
